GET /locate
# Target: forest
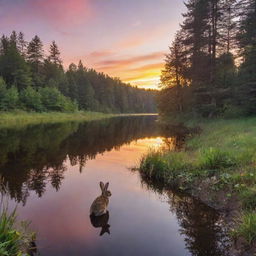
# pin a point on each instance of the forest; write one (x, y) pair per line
(32, 80)
(210, 69)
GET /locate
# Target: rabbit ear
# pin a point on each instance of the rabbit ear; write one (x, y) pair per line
(102, 186)
(106, 186)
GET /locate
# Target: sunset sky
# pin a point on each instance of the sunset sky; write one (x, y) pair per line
(123, 38)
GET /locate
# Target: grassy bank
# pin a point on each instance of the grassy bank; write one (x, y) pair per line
(15, 239)
(218, 166)
(20, 118)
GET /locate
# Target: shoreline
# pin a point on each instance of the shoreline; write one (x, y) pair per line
(216, 166)
(21, 118)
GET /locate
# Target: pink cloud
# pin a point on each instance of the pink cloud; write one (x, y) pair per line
(62, 12)
(56, 13)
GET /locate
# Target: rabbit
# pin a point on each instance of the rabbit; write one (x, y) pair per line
(101, 222)
(100, 204)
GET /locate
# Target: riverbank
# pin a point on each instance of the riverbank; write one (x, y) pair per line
(20, 118)
(218, 166)
(15, 237)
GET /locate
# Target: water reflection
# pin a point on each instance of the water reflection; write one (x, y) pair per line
(36, 161)
(33, 156)
(101, 222)
(202, 226)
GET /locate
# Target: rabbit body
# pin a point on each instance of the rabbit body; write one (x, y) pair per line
(100, 204)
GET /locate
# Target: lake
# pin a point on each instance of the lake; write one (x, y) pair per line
(53, 172)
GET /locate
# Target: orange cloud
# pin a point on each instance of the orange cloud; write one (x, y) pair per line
(142, 71)
(154, 66)
(122, 63)
(100, 54)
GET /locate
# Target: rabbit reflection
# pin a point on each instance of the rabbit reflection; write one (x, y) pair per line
(101, 222)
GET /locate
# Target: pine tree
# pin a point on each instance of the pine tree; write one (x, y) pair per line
(174, 74)
(35, 58)
(196, 39)
(247, 39)
(35, 52)
(228, 26)
(54, 56)
(22, 45)
(13, 67)
(14, 38)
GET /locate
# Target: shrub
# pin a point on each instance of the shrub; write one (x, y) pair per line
(31, 99)
(14, 236)
(248, 197)
(2, 93)
(10, 99)
(213, 158)
(153, 166)
(53, 100)
(166, 168)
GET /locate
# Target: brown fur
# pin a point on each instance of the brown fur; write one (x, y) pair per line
(100, 204)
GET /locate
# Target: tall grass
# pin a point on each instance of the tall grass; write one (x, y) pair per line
(246, 227)
(214, 158)
(15, 237)
(9, 237)
(20, 118)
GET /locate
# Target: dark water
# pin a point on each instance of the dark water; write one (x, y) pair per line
(53, 173)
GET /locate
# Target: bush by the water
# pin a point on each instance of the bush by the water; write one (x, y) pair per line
(246, 227)
(15, 238)
(214, 158)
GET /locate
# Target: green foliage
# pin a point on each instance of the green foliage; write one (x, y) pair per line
(44, 99)
(10, 238)
(166, 168)
(202, 57)
(21, 118)
(2, 92)
(14, 235)
(154, 166)
(10, 100)
(24, 64)
(246, 227)
(222, 158)
(31, 99)
(248, 197)
(13, 66)
(213, 158)
(53, 100)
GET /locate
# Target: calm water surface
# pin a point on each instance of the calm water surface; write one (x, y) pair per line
(53, 174)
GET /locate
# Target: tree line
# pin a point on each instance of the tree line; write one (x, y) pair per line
(210, 69)
(34, 81)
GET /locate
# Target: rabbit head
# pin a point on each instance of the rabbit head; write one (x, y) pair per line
(104, 189)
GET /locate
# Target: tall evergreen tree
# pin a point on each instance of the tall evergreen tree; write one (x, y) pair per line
(247, 39)
(35, 56)
(13, 67)
(22, 45)
(196, 39)
(54, 56)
